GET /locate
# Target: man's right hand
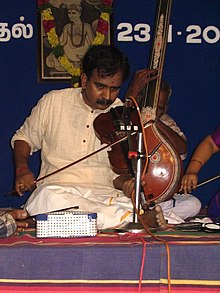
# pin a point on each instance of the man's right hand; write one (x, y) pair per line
(25, 182)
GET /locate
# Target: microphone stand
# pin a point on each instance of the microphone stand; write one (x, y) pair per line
(135, 226)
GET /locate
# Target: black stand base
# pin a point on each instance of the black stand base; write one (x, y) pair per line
(134, 228)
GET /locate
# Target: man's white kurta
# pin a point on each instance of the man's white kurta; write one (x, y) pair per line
(61, 126)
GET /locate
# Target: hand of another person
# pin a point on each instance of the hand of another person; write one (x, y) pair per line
(25, 182)
(140, 80)
(189, 182)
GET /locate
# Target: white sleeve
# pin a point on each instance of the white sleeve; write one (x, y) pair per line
(35, 125)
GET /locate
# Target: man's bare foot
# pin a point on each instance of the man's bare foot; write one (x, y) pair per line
(19, 215)
(154, 218)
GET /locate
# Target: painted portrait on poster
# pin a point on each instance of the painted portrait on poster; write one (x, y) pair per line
(71, 27)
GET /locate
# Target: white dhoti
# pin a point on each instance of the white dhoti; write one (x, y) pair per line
(113, 209)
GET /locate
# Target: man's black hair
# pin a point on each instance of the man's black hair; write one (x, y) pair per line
(107, 59)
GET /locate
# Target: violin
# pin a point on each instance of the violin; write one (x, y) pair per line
(108, 129)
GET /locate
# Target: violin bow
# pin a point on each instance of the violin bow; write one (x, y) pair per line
(75, 162)
(208, 180)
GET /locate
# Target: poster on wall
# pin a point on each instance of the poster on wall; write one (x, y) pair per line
(66, 30)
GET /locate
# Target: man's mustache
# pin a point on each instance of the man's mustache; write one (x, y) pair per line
(104, 102)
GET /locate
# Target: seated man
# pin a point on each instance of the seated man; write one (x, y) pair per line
(61, 127)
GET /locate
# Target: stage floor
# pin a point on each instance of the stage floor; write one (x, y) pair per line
(111, 262)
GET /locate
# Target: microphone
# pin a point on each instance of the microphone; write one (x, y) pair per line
(126, 113)
(127, 124)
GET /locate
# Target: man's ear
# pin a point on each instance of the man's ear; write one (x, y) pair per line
(84, 80)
